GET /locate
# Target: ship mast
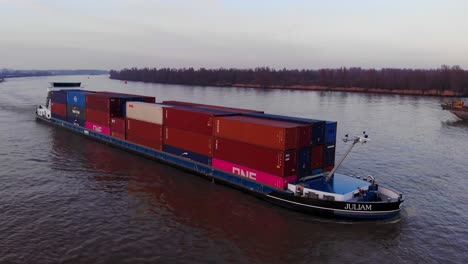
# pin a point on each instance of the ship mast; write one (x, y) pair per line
(357, 139)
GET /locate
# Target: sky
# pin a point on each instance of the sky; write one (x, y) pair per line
(294, 34)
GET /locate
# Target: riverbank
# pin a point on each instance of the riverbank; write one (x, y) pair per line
(432, 92)
(443, 81)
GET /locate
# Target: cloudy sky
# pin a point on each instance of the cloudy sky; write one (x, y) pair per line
(112, 34)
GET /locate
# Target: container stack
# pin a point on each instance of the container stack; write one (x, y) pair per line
(99, 110)
(260, 149)
(58, 107)
(330, 145)
(319, 155)
(144, 124)
(107, 110)
(76, 107)
(271, 149)
(188, 132)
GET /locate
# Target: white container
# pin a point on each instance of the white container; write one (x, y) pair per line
(148, 112)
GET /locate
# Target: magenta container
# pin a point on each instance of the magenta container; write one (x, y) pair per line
(256, 175)
(98, 128)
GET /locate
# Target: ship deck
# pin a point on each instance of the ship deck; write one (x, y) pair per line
(339, 184)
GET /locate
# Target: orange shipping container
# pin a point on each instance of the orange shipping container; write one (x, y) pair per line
(261, 132)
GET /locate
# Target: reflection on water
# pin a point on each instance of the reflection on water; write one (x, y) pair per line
(455, 123)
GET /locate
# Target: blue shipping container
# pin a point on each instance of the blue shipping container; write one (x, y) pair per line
(61, 117)
(317, 171)
(76, 121)
(187, 154)
(329, 155)
(58, 97)
(318, 132)
(318, 126)
(330, 132)
(77, 98)
(77, 112)
(124, 104)
(304, 162)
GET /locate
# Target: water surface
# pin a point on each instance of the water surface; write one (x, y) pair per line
(67, 199)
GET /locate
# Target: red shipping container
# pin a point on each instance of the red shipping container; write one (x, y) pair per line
(277, 162)
(98, 117)
(146, 99)
(151, 143)
(118, 135)
(144, 130)
(104, 102)
(304, 137)
(179, 103)
(192, 120)
(329, 168)
(317, 157)
(213, 107)
(149, 99)
(117, 124)
(196, 142)
(262, 132)
(59, 109)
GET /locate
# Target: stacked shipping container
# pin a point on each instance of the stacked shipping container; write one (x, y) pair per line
(246, 144)
(272, 149)
(99, 110)
(144, 124)
(269, 149)
(76, 107)
(321, 149)
(189, 132)
(106, 111)
(58, 105)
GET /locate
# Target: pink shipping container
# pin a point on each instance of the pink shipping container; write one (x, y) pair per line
(253, 174)
(98, 128)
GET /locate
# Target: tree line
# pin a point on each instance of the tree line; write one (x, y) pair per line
(445, 78)
(7, 73)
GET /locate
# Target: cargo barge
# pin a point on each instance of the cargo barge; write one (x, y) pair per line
(287, 161)
(457, 108)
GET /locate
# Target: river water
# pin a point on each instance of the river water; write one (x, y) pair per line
(67, 199)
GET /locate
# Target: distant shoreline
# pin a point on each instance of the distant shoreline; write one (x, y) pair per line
(441, 93)
(444, 81)
(44, 73)
(350, 89)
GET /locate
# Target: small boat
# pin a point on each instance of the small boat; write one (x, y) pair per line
(457, 108)
(328, 194)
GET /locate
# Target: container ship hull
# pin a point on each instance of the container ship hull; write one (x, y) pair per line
(288, 198)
